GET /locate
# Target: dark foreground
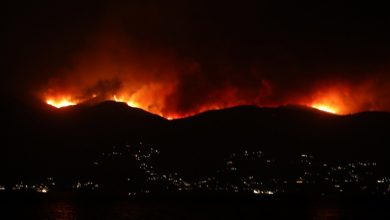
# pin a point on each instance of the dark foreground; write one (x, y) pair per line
(71, 206)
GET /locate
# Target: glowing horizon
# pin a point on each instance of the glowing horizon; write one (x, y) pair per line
(325, 108)
(67, 101)
(63, 102)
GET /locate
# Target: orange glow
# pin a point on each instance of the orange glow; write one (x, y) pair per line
(325, 108)
(60, 102)
(148, 100)
(158, 80)
(142, 104)
(140, 99)
(128, 101)
(161, 98)
(337, 99)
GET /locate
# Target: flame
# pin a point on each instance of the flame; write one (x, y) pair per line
(134, 101)
(329, 100)
(113, 67)
(325, 108)
(162, 99)
(151, 102)
(129, 102)
(336, 99)
(61, 102)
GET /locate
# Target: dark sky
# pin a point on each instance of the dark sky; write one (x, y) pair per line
(262, 52)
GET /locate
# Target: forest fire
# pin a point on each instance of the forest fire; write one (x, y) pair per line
(165, 82)
(61, 102)
(339, 99)
(329, 101)
(326, 104)
(170, 100)
(65, 101)
(129, 102)
(325, 108)
(163, 100)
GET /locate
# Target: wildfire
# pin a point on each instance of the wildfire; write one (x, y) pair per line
(160, 81)
(132, 101)
(65, 101)
(325, 108)
(61, 102)
(151, 98)
(129, 102)
(335, 100)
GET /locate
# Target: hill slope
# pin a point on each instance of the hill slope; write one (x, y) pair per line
(44, 138)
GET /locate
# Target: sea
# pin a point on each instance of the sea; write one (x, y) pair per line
(66, 207)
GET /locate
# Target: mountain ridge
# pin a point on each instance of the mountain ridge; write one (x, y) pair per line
(47, 135)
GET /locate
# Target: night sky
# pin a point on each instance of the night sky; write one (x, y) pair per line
(189, 56)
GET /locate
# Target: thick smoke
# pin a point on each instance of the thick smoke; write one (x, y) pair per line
(159, 80)
(183, 57)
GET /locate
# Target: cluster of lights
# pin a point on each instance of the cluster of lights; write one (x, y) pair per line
(338, 177)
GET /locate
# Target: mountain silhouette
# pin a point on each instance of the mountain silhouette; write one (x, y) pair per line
(42, 138)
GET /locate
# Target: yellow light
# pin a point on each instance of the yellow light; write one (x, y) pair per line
(132, 104)
(325, 108)
(60, 103)
(42, 190)
(128, 101)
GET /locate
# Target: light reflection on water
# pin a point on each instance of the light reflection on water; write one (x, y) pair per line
(328, 213)
(59, 211)
(89, 209)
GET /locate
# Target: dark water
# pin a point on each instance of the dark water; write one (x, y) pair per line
(99, 208)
